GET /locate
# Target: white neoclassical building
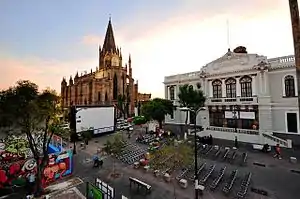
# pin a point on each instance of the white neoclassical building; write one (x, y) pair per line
(248, 96)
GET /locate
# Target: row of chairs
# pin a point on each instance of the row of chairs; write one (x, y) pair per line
(244, 186)
(208, 174)
(131, 153)
(218, 179)
(229, 155)
(228, 186)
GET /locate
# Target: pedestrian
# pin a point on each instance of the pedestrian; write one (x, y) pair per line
(210, 139)
(31, 181)
(277, 152)
(236, 142)
(96, 161)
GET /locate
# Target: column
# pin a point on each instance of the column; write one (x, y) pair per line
(168, 95)
(266, 82)
(238, 87)
(210, 89)
(260, 83)
(223, 88)
(166, 92)
(175, 92)
(204, 87)
(254, 86)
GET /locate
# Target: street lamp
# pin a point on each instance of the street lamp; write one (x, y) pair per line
(73, 121)
(235, 117)
(195, 142)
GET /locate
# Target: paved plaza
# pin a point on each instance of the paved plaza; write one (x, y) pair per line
(276, 178)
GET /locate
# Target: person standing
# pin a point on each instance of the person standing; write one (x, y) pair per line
(31, 180)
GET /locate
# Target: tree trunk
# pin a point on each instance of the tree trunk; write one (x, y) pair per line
(39, 189)
(160, 124)
(185, 123)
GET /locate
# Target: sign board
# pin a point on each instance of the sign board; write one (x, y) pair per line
(230, 115)
(92, 192)
(108, 191)
(247, 115)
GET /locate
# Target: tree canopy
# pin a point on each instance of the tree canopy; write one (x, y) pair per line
(157, 108)
(23, 109)
(191, 98)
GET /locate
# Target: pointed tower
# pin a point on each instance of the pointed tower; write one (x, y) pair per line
(109, 54)
(109, 44)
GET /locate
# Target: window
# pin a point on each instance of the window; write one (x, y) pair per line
(247, 123)
(216, 119)
(292, 122)
(230, 88)
(99, 97)
(192, 117)
(232, 123)
(246, 86)
(172, 115)
(289, 84)
(217, 89)
(172, 92)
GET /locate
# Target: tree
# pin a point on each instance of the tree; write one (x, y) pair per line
(121, 104)
(157, 108)
(191, 98)
(114, 147)
(36, 115)
(172, 157)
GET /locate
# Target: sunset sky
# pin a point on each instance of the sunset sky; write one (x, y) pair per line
(44, 41)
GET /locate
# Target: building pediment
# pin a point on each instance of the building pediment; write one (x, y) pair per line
(232, 61)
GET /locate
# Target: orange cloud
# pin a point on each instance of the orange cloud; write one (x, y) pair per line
(45, 73)
(92, 40)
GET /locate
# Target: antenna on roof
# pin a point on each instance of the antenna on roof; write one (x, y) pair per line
(109, 17)
(228, 34)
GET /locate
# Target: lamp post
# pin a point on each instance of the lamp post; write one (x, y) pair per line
(195, 143)
(73, 112)
(294, 12)
(235, 117)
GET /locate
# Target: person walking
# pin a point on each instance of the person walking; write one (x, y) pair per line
(277, 152)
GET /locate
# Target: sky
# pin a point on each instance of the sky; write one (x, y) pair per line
(44, 41)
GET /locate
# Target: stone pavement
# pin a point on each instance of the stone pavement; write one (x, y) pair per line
(276, 177)
(72, 193)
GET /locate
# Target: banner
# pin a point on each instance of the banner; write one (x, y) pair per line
(92, 192)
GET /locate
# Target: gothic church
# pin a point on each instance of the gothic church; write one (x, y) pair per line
(103, 86)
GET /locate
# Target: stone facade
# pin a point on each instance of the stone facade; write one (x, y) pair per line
(103, 85)
(244, 91)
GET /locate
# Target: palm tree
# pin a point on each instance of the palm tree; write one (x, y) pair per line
(191, 98)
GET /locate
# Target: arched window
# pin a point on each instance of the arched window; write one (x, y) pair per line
(106, 97)
(217, 89)
(289, 84)
(115, 87)
(246, 86)
(230, 88)
(99, 97)
(172, 92)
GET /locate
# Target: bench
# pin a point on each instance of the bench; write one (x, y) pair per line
(140, 183)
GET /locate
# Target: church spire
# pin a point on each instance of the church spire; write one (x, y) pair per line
(109, 41)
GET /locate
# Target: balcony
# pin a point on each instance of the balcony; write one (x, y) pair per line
(232, 101)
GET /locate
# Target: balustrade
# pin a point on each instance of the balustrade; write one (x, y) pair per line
(232, 130)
